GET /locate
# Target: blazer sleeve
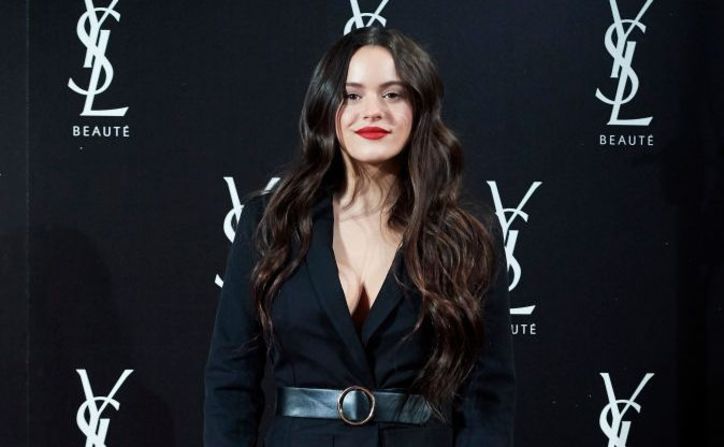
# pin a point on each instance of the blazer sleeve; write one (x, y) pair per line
(484, 415)
(233, 397)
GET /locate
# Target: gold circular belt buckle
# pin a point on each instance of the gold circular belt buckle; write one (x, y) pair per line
(370, 399)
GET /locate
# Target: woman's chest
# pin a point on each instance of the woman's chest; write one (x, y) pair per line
(315, 332)
(303, 314)
(364, 254)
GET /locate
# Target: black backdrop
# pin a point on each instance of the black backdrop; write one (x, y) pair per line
(111, 244)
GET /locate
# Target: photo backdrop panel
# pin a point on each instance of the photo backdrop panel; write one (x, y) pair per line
(13, 224)
(591, 130)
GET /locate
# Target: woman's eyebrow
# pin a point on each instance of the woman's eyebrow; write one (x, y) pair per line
(383, 85)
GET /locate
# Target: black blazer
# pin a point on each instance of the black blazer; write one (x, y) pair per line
(320, 347)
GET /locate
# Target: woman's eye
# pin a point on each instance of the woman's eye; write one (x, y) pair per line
(390, 95)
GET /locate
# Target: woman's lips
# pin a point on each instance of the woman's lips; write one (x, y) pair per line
(372, 133)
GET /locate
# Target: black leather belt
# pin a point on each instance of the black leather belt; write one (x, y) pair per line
(355, 405)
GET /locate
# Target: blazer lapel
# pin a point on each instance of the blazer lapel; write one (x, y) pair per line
(387, 299)
(324, 276)
(323, 272)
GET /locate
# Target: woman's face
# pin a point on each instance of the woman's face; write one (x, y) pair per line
(374, 121)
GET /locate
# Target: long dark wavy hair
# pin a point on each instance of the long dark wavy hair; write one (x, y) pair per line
(448, 252)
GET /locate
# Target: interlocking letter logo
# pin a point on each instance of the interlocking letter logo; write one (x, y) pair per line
(234, 213)
(622, 52)
(95, 40)
(611, 418)
(511, 236)
(88, 416)
(232, 217)
(357, 19)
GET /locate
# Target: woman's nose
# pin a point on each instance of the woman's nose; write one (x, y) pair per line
(373, 107)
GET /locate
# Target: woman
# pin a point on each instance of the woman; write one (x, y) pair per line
(380, 301)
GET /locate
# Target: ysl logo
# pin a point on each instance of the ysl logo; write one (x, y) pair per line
(511, 236)
(357, 16)
(95, 40)
(234, 213)
(88, 417)
(611, 419)
(622, 51)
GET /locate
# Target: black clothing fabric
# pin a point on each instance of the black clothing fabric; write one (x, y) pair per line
(320, 347)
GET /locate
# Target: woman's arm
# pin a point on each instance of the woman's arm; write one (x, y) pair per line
(233, 399)
(485, 414)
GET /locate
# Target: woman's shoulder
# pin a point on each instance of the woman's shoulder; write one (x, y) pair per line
(486, 215)
(481, 211)
(254, 204)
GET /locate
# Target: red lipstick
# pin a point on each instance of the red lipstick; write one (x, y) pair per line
(372, 132)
